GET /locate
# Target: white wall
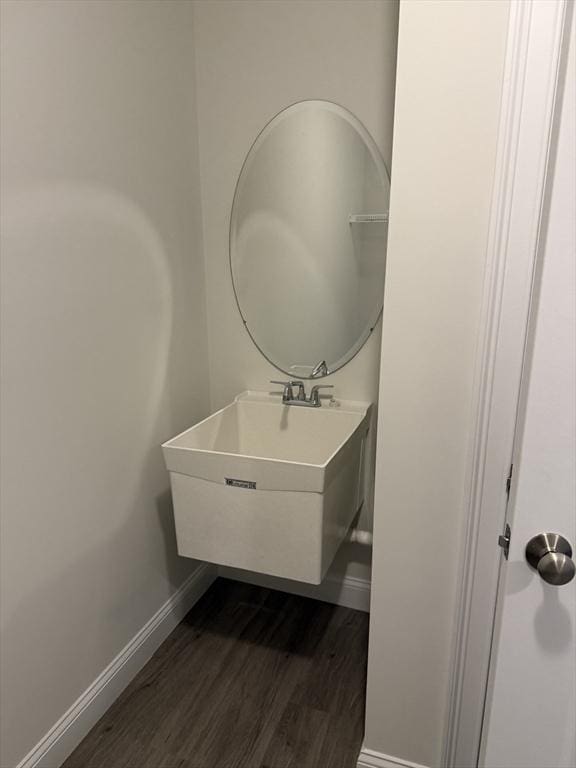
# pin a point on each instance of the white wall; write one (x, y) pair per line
(253, 58)
(449, 81)
(103, 336)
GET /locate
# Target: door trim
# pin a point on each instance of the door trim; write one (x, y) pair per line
(533, 53)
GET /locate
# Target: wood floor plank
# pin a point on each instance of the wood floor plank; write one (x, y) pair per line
(298, 740)
(251, 678)
(251, 694)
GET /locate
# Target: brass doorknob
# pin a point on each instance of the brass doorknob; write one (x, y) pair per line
(551, 555)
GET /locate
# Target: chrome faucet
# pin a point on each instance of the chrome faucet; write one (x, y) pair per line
(320, 370)
(288, 393)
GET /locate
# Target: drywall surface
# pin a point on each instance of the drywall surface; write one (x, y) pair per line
(104, 350)
(449, 82)
(253, 59)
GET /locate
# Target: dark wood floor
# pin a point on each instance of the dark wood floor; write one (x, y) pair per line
(251, 678)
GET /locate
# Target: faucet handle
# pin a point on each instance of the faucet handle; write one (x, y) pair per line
(314, 395)
(287, 394)
(287, 383)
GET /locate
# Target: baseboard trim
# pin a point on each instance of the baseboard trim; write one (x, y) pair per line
(349, 592)
(369, 758)
(69, 731)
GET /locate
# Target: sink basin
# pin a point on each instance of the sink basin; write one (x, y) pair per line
(267, 487)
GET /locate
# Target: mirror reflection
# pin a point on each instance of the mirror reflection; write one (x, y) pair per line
(308, 238)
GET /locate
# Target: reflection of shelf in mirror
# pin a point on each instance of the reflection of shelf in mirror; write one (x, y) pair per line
(368, 218)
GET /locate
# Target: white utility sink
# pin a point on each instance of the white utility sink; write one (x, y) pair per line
(267, 487)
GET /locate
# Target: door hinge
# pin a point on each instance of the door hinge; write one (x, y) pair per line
(504, 540)
(509, 480)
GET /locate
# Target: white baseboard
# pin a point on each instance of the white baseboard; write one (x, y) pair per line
(349, 592)
(68, 732)
(369, 758)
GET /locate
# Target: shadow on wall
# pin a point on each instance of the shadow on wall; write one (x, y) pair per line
(175, 568)
(92, 385)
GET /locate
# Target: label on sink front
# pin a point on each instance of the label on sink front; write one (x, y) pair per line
(240, 483)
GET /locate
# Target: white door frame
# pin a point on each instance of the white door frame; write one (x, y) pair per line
(533, 57)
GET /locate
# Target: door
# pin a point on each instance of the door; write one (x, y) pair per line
(530, 717)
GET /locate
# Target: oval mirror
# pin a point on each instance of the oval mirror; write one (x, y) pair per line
(308, 238)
